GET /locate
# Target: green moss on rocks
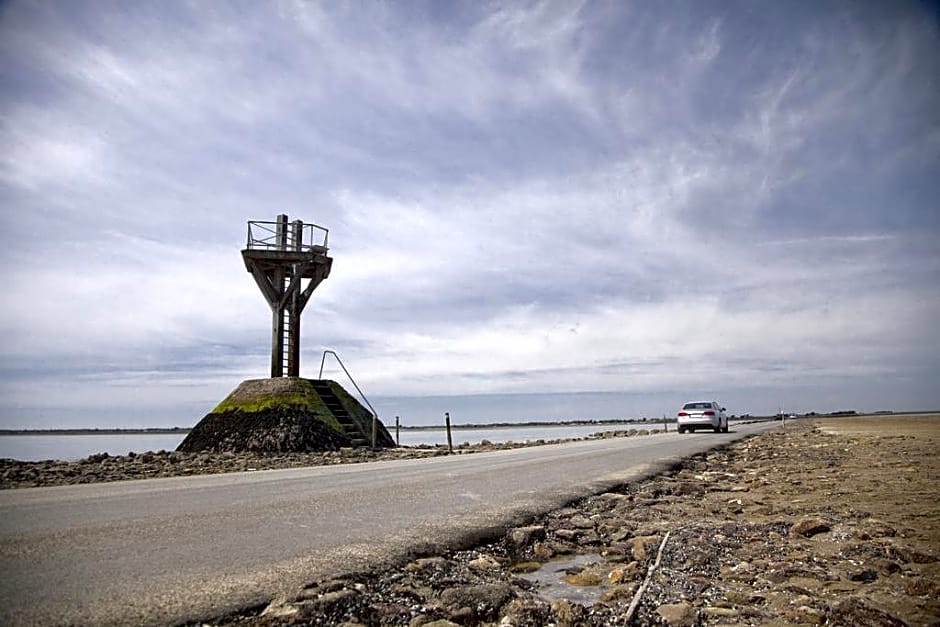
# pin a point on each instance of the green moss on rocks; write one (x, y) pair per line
(260, 395)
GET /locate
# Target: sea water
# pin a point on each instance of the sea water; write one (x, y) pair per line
(34, 447)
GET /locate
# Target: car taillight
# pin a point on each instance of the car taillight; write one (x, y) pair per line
(682, 413)
(709, 413)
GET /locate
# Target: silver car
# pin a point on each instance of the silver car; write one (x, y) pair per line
(702, 415)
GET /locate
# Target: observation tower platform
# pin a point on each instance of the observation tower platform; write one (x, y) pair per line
(288, 260)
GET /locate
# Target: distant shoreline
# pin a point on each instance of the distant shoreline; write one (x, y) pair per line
(522, 425)
(150, 431)
(467, 426)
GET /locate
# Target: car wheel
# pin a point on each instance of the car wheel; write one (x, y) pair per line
(717, 429)
(681, 430)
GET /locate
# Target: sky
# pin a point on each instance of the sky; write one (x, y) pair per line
(536, 210)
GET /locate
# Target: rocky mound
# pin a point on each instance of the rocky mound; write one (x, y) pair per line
(285, 415)
(277, 430)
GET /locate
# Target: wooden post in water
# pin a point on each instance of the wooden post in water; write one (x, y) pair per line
(397, 432)
(665, 424)
(450, 443)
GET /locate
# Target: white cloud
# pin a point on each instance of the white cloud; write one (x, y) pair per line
(129, 296)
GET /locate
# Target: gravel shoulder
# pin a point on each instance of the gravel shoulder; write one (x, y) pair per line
(834, 521)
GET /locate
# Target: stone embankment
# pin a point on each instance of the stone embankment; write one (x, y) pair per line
(150, 465)
(793, 527)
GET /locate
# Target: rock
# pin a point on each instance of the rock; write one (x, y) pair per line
(624, 573)
(589, 536)
(866, 575)
(620, 592)
(581, 522)
(922, 587)
(719, 612)
(910, 555)
(525, 612)
(688, 488)
(483, 600)
(805, 614)
(808, 527)
(332, 599)
(584, 578)
(877, 529)
(886, 566)
(464, 616)
(524, 536)
(525, 567)
(677, 614)
(855, 611)
(699, 584)
(543, 550)
(484, 562)
(639, 546)
(617, 549)
(426, 563)
(568, 614)
(279, 608)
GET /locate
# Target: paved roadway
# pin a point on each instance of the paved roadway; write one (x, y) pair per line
(165, 551)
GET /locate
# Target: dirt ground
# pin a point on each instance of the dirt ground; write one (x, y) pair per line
(831, 521)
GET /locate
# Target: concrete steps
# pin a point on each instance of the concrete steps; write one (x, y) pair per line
(332, 403)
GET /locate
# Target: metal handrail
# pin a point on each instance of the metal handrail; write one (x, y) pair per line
(375, 415)
(265, 235)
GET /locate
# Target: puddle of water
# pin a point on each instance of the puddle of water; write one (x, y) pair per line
(551, 585)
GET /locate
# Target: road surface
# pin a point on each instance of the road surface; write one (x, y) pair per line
(165, 551)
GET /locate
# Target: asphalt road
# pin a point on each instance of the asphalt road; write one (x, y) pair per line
(173, 550)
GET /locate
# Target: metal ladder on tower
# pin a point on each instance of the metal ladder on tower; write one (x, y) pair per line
(285, 340)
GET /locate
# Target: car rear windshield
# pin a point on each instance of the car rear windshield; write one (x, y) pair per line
(697, 406)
